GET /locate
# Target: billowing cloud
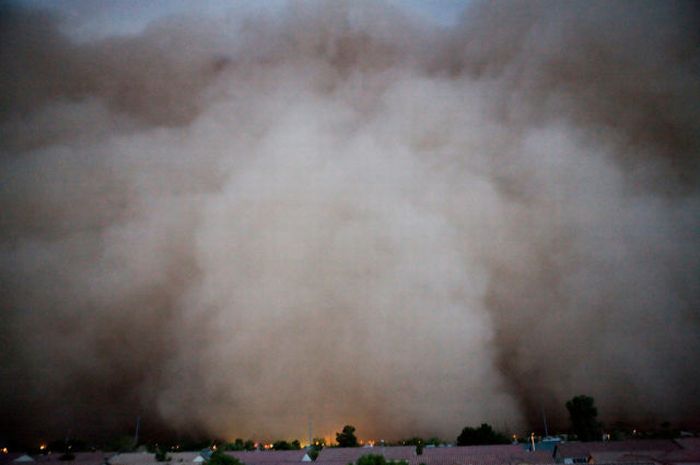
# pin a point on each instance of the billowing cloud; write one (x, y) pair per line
(341, 213)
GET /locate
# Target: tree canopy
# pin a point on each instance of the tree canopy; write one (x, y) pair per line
(374, 459)
(219, 458)
(161, 455)
(583, 415)
(284, 445)
(482, 435)
(347, 437)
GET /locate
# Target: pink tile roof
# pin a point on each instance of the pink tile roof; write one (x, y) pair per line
(9, 457)
(584, 449)
(345, 455)
(268, 457)
(688, 443)
(668, 458)
(145, 458)
(475, 455)
(485, 455)
(83, 458)
(129, 458)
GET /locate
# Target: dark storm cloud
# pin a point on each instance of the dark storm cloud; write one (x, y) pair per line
(342, 212)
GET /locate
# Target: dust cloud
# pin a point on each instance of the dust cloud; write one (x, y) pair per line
(342, 212)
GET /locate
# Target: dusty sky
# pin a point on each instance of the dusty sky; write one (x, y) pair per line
(405, 218)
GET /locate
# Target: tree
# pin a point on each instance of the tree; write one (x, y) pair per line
(281, 445)
(162, 455)
(284, 445)
(415, 441)
(121, 444)
(482, 435)
(237, 444)
(318, 444)
(219, 458)
(347, 437)
(583, 415)
(374, 459)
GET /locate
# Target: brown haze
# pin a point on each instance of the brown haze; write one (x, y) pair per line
(341, 212)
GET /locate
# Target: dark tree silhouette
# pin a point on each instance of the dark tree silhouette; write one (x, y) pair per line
(484, 434)
(374, 459)
(219, 458)
(347, 437)
(583, 415)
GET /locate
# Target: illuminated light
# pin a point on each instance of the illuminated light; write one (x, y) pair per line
(42, 447)
(4, 450)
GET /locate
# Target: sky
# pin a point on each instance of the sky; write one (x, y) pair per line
(406, 216)
(86, 20)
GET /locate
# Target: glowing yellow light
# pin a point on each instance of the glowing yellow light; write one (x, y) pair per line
(42, 447)
(4, 450)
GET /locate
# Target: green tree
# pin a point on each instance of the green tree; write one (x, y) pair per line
(318, 444)
(281, 445)
(284, 445)
(583, 415)
(313, 454)
(219, 458)
(121, 444)
(374, 459)
(347, 437)
(415, 441)
(482, 435)
(237, 444)
(249, 445)
(162, 455)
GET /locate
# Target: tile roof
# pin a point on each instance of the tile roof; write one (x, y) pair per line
(6, 458)
(344, 455)
(146, 458)
(83, 458)
(129, 458)
(268, 457)
(485, 455)
(585, 449)
(474, 455)
(688, 443)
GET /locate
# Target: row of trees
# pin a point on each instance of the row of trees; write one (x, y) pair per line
(582, 411)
